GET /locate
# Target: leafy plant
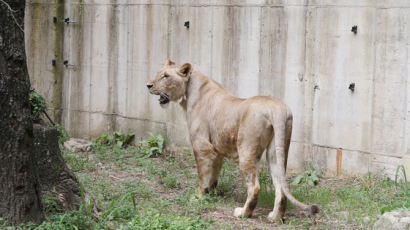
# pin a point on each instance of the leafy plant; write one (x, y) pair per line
(3, 222)
(63, 135)
(152, 147)
(308, 177)
(118, 138)
(38, 104)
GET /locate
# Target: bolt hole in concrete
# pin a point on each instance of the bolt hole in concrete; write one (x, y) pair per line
(352, 86)
(354, 29)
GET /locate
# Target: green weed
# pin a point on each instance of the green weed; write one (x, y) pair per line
(38, 104)
(117, 138)
(63, 135)
(152, 147)
(309, 177)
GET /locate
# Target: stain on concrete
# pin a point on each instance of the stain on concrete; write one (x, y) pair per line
(231, 47)
(113, 42)
(58, 57)
(339, 162)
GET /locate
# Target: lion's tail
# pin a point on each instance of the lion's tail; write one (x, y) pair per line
(283, 130)
(313, 209)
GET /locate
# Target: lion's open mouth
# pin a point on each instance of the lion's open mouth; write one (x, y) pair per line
(163, 98)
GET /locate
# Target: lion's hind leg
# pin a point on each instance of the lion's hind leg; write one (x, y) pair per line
(279, 208)
(277, 172)
(248, 166)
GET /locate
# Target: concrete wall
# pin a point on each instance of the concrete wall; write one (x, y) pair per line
(301, 51)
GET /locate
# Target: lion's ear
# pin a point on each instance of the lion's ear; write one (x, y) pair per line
(185, 70)
(169, 63)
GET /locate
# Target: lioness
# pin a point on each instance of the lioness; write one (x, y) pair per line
(221, 125)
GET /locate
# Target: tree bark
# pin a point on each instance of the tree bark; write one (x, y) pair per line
(31, 164)
(19, 186)
(57, 181)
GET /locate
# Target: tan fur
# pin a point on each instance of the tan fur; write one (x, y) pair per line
(221, 125)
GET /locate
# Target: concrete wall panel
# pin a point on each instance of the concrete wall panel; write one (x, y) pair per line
(390, 82)
(340, 115)
(302, 52)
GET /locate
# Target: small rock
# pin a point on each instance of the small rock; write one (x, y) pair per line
(393, 221)
(78, 145)
(100, 167)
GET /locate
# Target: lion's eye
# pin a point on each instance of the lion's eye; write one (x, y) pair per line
(164, 76)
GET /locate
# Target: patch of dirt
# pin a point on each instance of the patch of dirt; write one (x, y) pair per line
(257, 221)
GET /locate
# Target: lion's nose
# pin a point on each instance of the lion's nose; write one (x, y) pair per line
(149, 85)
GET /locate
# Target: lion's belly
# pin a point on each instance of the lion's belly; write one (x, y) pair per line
(226, 145)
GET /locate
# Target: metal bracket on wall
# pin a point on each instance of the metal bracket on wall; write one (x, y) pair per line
(65, 62)
(68, 64)
(67, 20)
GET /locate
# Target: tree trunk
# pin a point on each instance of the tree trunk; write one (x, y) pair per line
(57, 181)
(31, 165)
(19, 189)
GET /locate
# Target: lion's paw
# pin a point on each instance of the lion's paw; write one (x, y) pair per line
(274, 217)
(239, 212)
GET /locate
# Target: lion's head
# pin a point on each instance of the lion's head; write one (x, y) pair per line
(170, 83)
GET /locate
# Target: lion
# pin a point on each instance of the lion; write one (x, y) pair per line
(223, 126)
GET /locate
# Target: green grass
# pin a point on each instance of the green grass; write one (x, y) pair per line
(356, 202)
(159, 192)
(78, 162)
(153, 219)
(50, 203)
(267, 193)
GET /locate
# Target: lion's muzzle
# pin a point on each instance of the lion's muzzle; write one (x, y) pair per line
(163, 98)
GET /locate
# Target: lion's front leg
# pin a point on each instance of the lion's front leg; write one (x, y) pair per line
(208, 166)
